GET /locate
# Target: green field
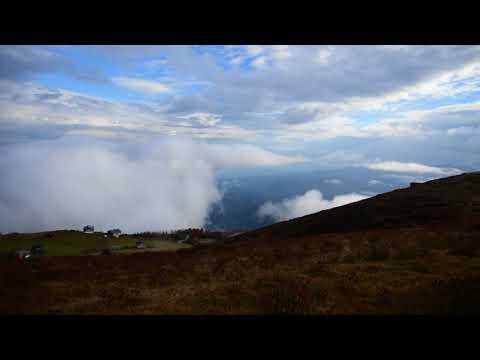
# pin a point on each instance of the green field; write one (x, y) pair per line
(74, 243)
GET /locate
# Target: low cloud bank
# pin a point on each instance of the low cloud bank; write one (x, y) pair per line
(310, 202)
(72, 182)
(412, 168)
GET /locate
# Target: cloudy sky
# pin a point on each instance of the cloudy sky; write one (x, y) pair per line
(398, 109)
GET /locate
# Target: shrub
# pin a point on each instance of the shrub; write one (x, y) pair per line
(378, 250)
(455, 296)
(420, 268)
(286, 295)
(465, 245)
(116, 296)
(406, 253)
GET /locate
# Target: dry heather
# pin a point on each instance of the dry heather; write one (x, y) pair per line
(373, 272)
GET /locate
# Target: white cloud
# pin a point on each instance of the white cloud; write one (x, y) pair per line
(310, 202)
(412, 168)
(462, 130)
(155, 64)
(321, 94)
(238, 60)
(205, 119)
(30, 106)
(261, 55)
(281, 52)
(141, 85)
(409, 178)
(236, 155)
(397, 47)
(455, 119)
(310, 122)
(459, 124)
(259, 62)
(375, 182)
(57, 185)
(323, 55)
(70, 182)
(254, 50)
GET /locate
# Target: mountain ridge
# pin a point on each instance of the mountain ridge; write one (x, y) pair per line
(454, 199)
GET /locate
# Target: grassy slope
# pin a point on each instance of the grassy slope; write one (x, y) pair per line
(453, 202)
(375, 272)
(68, 243)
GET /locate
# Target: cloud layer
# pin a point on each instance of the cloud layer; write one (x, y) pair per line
(71, 182)
(411, 112)
(310, 202)
(141, 85)
(411, 168)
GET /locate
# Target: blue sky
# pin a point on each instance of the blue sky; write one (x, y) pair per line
(278, 97)
(132, 121)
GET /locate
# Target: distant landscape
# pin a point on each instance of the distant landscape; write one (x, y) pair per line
(244, 194)
(307, 179)
(76, 243)
(415, 250)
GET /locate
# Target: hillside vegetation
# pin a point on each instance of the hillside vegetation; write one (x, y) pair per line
(76, 243)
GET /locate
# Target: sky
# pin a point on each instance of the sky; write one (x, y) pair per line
(180, 114)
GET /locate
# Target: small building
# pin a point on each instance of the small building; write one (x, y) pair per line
(140, 244)
(23, 254)
(89, 229)
(114, 232)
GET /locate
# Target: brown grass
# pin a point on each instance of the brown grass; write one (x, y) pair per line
(410, 270)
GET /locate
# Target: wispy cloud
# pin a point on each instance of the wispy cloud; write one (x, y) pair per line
(205, 119)
(375, 182)
(412, 168)
(142, 85)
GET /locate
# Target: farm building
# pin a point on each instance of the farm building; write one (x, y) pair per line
(23, 254)
(114, 232)
(89, 229)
